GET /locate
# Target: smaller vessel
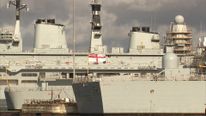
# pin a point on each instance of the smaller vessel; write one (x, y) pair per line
(60, 106)
(47, 90)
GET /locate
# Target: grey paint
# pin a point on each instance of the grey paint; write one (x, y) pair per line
(89, 97)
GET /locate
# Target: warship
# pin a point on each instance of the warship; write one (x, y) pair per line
(44, 73)
(145, 80)
(168, 80)
(47, 72)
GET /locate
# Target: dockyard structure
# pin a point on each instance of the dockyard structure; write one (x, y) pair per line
(180, 36)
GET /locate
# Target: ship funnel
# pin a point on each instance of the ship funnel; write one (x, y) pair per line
(50, 37)
(142, 39)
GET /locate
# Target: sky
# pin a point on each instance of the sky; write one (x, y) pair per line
(118, 17)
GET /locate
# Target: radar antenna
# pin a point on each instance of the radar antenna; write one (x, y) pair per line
(19, 7)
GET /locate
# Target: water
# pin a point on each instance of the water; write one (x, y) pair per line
(18, 113)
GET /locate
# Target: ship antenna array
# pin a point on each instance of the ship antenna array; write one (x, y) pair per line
(19, 7)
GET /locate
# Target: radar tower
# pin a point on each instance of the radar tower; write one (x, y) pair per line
(17, 39)
(96, 45)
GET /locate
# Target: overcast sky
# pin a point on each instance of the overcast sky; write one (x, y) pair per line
(118, 17)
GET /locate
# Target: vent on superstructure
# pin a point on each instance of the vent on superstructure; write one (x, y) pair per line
(45, 21)
(145, 29)
(52, 21)
(135, 29)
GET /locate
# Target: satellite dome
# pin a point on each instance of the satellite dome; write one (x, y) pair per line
(179, 19)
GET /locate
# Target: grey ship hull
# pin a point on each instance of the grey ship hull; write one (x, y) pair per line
(3, 104)
(17, 96)
(141, 97)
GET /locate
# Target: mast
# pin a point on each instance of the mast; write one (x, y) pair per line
(96, 45)
(17, 38)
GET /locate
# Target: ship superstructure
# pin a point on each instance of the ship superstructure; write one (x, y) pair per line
(144, 41)
(16, 44)
(11, 40)
(45, 41)
(6, 37)
(174, 89)
(52, 62)
(180, 36)
(96, 44)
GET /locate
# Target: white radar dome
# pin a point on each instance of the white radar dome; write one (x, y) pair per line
(179, 19)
